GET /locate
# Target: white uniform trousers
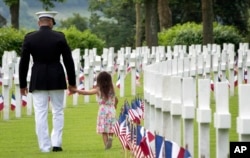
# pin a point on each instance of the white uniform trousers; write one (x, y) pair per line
(41, 100)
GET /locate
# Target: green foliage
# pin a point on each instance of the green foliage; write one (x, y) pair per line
(191, 33)
(10, 39)
(186, 34)
(113, 21)
(10, 2)
(83, 40)
(232, 12)
(47, 4)
(185, 11)
(227, 34)
(227, 12)
(81, 23)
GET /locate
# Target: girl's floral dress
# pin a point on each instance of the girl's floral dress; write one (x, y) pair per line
(106, 115)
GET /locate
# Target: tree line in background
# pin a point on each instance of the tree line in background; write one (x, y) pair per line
(138, 22)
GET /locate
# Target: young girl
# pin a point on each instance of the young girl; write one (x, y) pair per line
(107, 106)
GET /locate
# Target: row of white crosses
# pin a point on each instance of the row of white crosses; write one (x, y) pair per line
(243, 119)
(136, 59)
(204, 60)
(126, 57)
(10, 66)
(186, 64)
(144, 56)
(170, 94)
(8, 60)
(93, 64)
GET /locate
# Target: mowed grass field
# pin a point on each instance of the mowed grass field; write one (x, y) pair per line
(18, 139)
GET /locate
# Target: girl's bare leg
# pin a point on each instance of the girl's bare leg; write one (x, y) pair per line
(109, 141)
(105, 138)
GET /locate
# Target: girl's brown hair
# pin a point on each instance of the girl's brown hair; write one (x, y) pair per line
(104, 82)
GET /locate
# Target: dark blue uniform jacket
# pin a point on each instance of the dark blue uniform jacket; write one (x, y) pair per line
(46, 47)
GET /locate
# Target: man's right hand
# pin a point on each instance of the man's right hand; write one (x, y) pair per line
(72, 89)
(24, 91)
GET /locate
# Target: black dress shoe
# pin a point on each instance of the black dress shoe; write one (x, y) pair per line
(56, 149)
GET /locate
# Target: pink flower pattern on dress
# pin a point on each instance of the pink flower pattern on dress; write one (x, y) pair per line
(106, 115)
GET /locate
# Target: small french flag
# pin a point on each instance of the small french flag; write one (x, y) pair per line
(24, 100)
(13, 102)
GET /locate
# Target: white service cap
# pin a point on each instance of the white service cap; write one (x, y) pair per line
(47, 14)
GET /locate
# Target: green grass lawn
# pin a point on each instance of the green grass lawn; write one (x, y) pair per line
(18, 139)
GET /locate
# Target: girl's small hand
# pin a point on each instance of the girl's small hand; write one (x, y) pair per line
(74, 90)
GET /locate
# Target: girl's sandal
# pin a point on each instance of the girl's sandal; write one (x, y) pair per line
(109, 143)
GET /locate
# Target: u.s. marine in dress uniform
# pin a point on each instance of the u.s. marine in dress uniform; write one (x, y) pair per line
(48, 81)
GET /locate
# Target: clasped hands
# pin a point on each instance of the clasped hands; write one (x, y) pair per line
(71, 89)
